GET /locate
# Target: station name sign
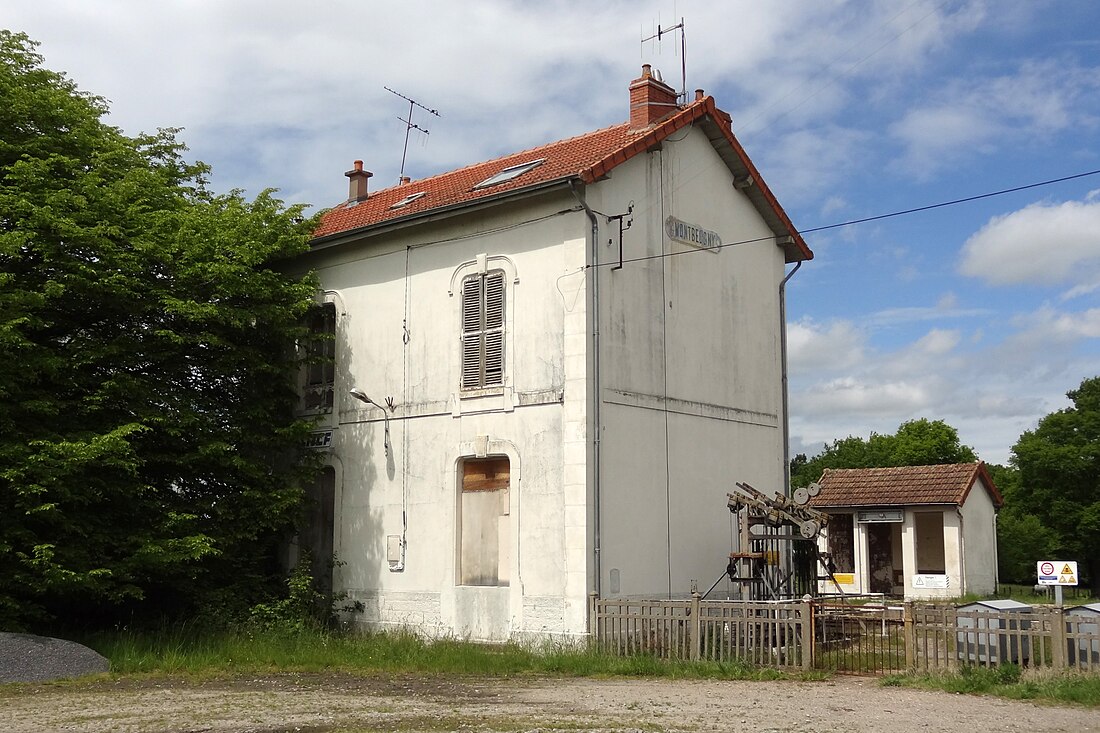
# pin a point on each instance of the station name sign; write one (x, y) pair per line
(319, 439)
(696, 236)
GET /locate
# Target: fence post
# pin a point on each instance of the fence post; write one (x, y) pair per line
(1057, 638)
(808, 637)
(593, 626)
(695, 628)
(909, 635)
(951, 637)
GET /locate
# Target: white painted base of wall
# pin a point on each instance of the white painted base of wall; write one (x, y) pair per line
(480, 614)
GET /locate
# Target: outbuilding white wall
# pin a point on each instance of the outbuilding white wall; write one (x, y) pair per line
(979, 529)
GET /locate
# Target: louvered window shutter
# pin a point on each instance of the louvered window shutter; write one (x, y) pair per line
(483, 330)
(472, 335)
(494, 329)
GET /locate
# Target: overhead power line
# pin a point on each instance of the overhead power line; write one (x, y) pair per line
(953, 202)
(929, 207)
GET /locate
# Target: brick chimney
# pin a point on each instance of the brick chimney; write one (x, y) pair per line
(357, 182)
(650, 99)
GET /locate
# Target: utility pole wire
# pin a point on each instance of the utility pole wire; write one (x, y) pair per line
(951, 203)
(851, 222)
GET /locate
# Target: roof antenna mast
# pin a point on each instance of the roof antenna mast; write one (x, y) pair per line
(410, 126)
(683, 53)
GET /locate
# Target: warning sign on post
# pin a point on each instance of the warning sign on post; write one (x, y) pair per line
(1057, 572)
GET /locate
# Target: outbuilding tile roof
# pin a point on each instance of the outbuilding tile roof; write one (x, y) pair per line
(586, 158)
(903, 485)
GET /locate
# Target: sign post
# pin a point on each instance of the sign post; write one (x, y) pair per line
(1057, 573)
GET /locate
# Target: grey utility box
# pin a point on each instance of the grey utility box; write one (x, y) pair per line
(996, 637)
(1083, 634)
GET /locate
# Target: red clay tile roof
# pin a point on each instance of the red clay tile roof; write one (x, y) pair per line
(902, 486)
(586, 158)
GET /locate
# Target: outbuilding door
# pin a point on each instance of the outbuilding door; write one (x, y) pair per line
(883, 568)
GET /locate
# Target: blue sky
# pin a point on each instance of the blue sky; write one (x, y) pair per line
(982, 314)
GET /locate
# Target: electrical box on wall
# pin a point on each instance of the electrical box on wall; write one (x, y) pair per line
(393, 549)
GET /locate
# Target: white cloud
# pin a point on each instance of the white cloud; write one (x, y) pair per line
(947, 302)
(1079, 290)
(832, 205)
(916, 314)
(1052, 325)
(1044, 243)
(809, 162)
(990, 392)
(813, 347)
(982, 114)
(938, 342)
(863, 397)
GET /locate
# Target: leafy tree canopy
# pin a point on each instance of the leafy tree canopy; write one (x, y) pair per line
(916, 443)
(147, 443)
(1059, 464)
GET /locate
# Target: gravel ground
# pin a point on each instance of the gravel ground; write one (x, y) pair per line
(27, 658)
(338, 703)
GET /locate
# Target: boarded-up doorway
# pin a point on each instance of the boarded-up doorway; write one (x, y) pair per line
(484, 546)
(317, 535)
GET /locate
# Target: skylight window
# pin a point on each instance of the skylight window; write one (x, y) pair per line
(408, 199)
(510, 173)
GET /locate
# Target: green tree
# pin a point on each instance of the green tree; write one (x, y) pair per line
(1059, 464)
(919, 442)
(148, 448)
(1021, 538)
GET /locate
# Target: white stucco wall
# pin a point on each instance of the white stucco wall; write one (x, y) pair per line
(397, 336)
(980, 541)
(690, 398)
(690, 370)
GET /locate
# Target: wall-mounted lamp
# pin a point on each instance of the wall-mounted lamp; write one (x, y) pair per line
(362, 397)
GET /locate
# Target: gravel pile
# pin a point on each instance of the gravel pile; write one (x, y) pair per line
(27, 658)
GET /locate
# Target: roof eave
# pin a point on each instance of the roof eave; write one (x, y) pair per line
(441, 212)
(716, 126)
(994, 493)
(883, 504)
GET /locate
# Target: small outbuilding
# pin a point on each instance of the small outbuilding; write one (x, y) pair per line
(911, 531)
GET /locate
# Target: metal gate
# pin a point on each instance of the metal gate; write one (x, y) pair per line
(859, 639)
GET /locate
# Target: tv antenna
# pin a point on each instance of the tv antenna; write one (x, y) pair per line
(683, 53)
(410, 126)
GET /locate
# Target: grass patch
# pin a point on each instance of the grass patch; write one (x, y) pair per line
(190, 652)
(1009, 681)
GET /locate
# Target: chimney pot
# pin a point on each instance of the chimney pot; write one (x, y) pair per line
(698, 95)
(357, 182)
(405, 179)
